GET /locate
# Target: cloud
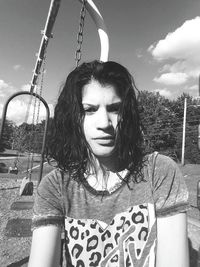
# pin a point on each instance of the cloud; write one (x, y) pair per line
(26, 87)
(192, 69)
(3, 84)
(139, 53)
(6, 89)
(18, 110)
(181, 48)
(172, 78)
(193, 87)
(164, 92)
(183, 43)
(17, 67)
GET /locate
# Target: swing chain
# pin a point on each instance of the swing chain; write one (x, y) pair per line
(41, 86)
(80, 33)
(35, 118)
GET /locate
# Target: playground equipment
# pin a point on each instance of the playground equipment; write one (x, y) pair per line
(27, 185)
(27, 181)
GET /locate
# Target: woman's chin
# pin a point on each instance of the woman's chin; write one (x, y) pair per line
(105, 153)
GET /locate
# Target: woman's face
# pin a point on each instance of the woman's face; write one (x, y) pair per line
(101, 105)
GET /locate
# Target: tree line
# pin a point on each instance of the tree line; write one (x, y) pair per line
(162, 127)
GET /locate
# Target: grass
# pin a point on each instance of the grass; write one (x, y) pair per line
(191, 173)
(8, 159)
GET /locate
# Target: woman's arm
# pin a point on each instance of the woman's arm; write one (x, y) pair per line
(172, 247)
(46, 247)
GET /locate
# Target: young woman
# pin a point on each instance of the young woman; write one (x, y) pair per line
(115, 205)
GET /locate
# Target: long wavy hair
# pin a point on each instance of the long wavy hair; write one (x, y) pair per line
(67, 144)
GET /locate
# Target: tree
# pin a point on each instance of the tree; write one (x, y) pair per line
(7, 138)
(192, 155)
(29, 137)
(158, 121)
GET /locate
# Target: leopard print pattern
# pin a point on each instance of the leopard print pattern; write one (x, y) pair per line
(127, 241)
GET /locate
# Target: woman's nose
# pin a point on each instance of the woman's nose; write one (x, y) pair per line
(103, 120)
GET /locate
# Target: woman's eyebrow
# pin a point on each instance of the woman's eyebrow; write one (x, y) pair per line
(90, 105)
(115, 104)
(109, 105)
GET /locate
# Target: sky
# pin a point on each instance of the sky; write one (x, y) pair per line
(157, 40)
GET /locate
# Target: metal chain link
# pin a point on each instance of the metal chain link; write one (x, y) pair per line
(80, 33)
(35, 118)
(41, 87)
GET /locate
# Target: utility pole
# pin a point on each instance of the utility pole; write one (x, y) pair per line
(199, 124)
(199, 86)
(184, 126)
(198, 183)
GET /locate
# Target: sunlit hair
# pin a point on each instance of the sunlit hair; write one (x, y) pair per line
(68, 145)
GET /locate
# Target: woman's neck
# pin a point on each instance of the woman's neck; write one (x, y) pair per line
(112, 164)
(105, 172)
(101, 166)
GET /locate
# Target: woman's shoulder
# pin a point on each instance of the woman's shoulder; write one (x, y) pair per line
(54, 178)
(157, 159)
(157, 165)
(168, 186)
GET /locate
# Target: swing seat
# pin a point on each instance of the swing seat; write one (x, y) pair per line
(3, 168)
(13, 170)
(26, 188)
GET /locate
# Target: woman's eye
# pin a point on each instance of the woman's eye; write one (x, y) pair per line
(114, 108)
(90, 110)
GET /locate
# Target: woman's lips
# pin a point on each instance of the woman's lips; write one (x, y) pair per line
(106, 137)
(105, 140)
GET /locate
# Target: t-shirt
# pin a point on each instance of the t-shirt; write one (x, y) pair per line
(111, 229)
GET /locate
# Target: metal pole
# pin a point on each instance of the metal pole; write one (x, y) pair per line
(199, 86)
(101, 28)
(199, 137)
(47, 33)
(198, 183)
(43, 145)
(183, 138)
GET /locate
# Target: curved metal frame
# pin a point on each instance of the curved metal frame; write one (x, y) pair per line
(101, 28)
(47, 34)
(46, 123)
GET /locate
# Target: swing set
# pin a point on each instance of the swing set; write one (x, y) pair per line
(38, 76)
(39, 70)
(35, 92)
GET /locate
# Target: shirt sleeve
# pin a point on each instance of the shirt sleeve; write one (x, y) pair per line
(48, 206)
(169, 189)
